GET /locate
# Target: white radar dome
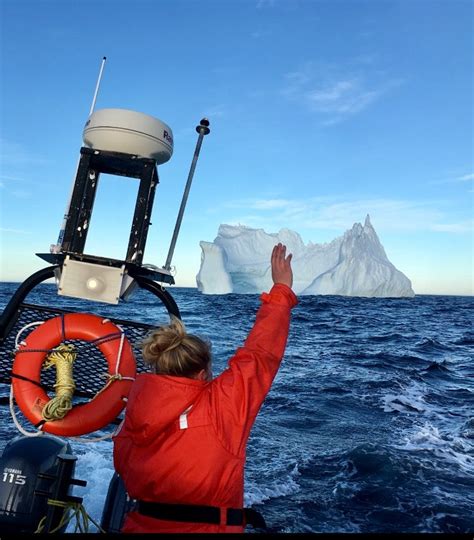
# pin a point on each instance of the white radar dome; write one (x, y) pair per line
(131, 132)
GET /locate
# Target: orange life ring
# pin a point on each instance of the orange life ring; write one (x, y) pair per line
(99, 411)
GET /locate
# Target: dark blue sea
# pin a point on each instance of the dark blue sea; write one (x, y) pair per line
(369, 425)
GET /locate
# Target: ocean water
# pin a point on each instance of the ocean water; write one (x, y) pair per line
(368, 427)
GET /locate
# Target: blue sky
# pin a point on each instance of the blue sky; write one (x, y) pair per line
(321, 112)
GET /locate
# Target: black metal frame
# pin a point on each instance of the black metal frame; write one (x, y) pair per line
(91, 165)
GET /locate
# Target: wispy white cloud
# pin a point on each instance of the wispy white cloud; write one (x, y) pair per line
(338, 215)
(13, 231)
(14, 185)
(12, 153)
(295, 81)
(264, 204)
(216, 111)
(342, 98)
(14, 158)
(8, 178)
(455, 179)
(336, 93)
(460, 227)
(465, 178)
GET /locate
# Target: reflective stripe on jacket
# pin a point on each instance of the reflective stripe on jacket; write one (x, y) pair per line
(184, 440)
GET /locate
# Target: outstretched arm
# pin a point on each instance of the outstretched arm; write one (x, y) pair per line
(241, 389)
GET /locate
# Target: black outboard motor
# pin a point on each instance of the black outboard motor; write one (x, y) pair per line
(34, 469)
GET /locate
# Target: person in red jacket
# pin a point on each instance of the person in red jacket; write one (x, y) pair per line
(181, 449)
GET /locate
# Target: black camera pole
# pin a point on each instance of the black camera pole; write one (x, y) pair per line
(202, 129)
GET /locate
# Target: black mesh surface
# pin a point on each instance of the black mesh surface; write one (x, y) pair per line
(90, 365)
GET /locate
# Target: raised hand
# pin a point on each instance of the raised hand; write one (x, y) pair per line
(281, 266)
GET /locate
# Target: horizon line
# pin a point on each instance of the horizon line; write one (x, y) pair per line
(47, 282)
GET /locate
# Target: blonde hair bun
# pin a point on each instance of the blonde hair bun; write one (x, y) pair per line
(170, 350)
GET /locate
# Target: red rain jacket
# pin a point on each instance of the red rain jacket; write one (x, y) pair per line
(184, 440)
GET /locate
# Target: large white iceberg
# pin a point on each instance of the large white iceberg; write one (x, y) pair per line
(355, 264)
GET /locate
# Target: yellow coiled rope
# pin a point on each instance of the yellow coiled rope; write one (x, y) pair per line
(71, 510)
(63, 358)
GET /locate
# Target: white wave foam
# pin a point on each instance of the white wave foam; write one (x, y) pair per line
(410, 400)
(344, 490)
(94, 464)
(282, 487)
(443, 446)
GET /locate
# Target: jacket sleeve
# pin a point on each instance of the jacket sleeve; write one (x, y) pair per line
(238, 393)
